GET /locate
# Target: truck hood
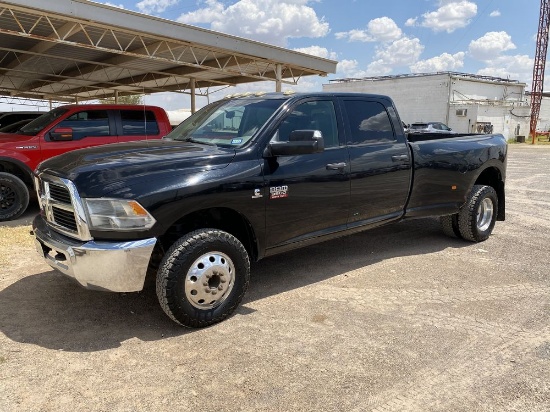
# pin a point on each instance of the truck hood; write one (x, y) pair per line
(99, 170)
(14, 138)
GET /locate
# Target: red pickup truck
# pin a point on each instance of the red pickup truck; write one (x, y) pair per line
(63, 129)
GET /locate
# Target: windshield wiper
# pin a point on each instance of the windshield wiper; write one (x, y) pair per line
(192, 140)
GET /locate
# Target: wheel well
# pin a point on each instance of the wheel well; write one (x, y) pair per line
(224, 219)
(492, 177)
(14, 169)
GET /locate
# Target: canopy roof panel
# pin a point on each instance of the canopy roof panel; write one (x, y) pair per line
(75, 50)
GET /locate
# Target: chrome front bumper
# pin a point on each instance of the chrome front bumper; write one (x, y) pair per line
(110, 266)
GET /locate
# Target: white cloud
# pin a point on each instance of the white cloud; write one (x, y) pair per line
(269, 21)
(411, 22)
(347, 67)
(208, 14)
(444, 62)
(155, 6)
(451, 15)
(120, 6)
(491, 45)
(490, 49)
(350, 69)
(318, 51)
(378, 68)
(382, 29)
(402, 52)
(495, 13)
(518, 67)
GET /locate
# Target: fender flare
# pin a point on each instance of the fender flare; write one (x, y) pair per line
(22, 166)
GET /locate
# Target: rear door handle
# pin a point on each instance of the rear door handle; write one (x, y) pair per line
(336, 166)
(400, 158)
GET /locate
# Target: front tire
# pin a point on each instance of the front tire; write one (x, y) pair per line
(477, 217)
(203, 278)
(14, 197)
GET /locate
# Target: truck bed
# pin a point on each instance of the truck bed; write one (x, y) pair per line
(447, 165)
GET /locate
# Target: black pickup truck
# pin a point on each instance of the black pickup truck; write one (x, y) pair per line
(248, 177)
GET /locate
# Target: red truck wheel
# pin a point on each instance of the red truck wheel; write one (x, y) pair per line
(477, 217)
(14, 196)
(203, 278)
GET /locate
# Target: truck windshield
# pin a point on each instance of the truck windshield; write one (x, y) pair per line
(34, 127)
(226, 123)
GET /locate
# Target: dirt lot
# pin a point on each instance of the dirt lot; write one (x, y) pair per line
(401, 318)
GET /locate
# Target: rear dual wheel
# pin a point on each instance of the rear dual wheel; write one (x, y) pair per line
(449, 225)
(476, 219)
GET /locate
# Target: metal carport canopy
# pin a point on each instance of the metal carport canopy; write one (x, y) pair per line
(76, 50)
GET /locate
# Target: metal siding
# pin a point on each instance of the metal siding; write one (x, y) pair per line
(467, 89)
(416, 98)
(425, 98)
(544, 115)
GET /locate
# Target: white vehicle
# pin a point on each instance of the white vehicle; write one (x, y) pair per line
(430, 127)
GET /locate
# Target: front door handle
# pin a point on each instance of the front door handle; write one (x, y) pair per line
(399, 158)
(336, 166)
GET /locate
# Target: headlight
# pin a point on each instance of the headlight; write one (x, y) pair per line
(117, 214)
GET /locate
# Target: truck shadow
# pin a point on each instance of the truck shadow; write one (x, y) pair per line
(325, 260)
(53, 312)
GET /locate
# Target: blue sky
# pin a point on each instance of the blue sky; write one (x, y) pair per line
(368, 37)
(373, 38)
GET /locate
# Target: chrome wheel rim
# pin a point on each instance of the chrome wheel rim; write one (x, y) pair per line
(485, 214)
(210, 280)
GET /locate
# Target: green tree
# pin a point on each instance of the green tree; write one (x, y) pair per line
(128, 99)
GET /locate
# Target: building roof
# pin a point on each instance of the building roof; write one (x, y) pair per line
(74, 50)
(469, 76)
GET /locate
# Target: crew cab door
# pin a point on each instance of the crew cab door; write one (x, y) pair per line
(380, 174)
(78, 130)
(307, 195)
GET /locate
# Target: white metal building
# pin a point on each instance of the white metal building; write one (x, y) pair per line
(465, 102)
(543, 124)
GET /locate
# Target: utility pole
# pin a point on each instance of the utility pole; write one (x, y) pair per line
(538, 68)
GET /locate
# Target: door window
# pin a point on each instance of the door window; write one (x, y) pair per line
(138, 122)
(369, 122)
(87, 123)
(312, 115)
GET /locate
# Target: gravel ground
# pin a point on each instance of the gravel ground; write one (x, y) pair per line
(399, 318)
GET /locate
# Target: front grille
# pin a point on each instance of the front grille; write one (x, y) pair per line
(62, 206)
(64, 218)
(59, 193)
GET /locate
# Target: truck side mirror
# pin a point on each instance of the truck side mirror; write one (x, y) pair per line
(299, 142)
(62, 134)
